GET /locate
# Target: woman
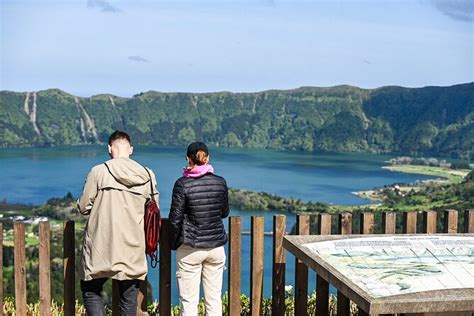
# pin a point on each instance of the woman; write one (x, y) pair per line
(199, 203)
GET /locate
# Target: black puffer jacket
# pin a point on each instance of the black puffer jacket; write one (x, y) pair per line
(197, 208)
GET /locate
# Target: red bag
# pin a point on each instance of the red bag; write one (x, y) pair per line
(152, 226)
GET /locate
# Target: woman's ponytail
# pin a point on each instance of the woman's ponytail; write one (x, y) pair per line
(200, 158)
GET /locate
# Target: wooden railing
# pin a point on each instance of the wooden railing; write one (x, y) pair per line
(324, 220)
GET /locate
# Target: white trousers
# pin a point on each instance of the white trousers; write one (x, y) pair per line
(194, 265)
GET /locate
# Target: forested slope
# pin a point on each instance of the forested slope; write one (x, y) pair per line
(425, 121)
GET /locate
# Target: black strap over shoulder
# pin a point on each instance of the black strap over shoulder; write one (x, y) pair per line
(151, 182)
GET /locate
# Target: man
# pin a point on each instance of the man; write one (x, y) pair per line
(114, 240)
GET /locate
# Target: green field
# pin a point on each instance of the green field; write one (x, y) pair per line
(452, 176)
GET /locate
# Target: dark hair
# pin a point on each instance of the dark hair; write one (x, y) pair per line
(198, 153)
(119, 135)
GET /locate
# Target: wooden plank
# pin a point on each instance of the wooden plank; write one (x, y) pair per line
(141, 299)
(324, 224)
(366, 223)
(362, 312)
(343, 305)
(389, 222)
(469, 221)
(322, 296)
(69, 269)
(20, 269)
(343, 302)
(451, 221)
(165, 269)
(44, 268)
(1, 265)
(279, 265)
(256, 265)
(115, 298)
(429, 222)
(345, 223)
(234, 263)
(301, 270)
(409, 222)
(322, 285)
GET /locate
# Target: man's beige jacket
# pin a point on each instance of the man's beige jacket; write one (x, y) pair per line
(114, 240)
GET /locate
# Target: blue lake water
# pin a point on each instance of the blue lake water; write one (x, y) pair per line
(33, 175)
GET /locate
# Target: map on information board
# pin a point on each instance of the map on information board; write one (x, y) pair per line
(390, 265)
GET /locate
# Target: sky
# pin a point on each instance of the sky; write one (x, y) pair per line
(125, 47)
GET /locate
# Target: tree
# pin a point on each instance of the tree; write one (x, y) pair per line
(186, 135)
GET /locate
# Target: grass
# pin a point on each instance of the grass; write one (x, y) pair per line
(154, 309)
(452, 176)
(30, 240)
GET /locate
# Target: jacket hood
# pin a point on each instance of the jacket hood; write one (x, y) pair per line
(127, 171)
(198, 171)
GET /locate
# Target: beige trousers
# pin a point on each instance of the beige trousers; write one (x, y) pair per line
(194, 265)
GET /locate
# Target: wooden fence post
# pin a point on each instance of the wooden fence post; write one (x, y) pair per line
(234, 262)
(20, 270)
(69, 269)
(345, 228)
(44, 269)
(429, 222)
(165, 269)
(322, 285)
(451, 221)
(389, 222)
(301, 270)
(366, 228)
(469, 221)
(345, 223)
(366, 223)
(115, 298)
(279, 265)
(409, 222)
(324, 224)
(256, 265)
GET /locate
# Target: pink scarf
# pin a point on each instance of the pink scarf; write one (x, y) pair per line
(198, 171)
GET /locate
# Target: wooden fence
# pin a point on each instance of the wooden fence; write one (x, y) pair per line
(324, 221)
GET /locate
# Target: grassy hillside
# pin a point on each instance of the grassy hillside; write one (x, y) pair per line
(458, 196)
(429, 121)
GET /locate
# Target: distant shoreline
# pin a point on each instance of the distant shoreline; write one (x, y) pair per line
(444, 176)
